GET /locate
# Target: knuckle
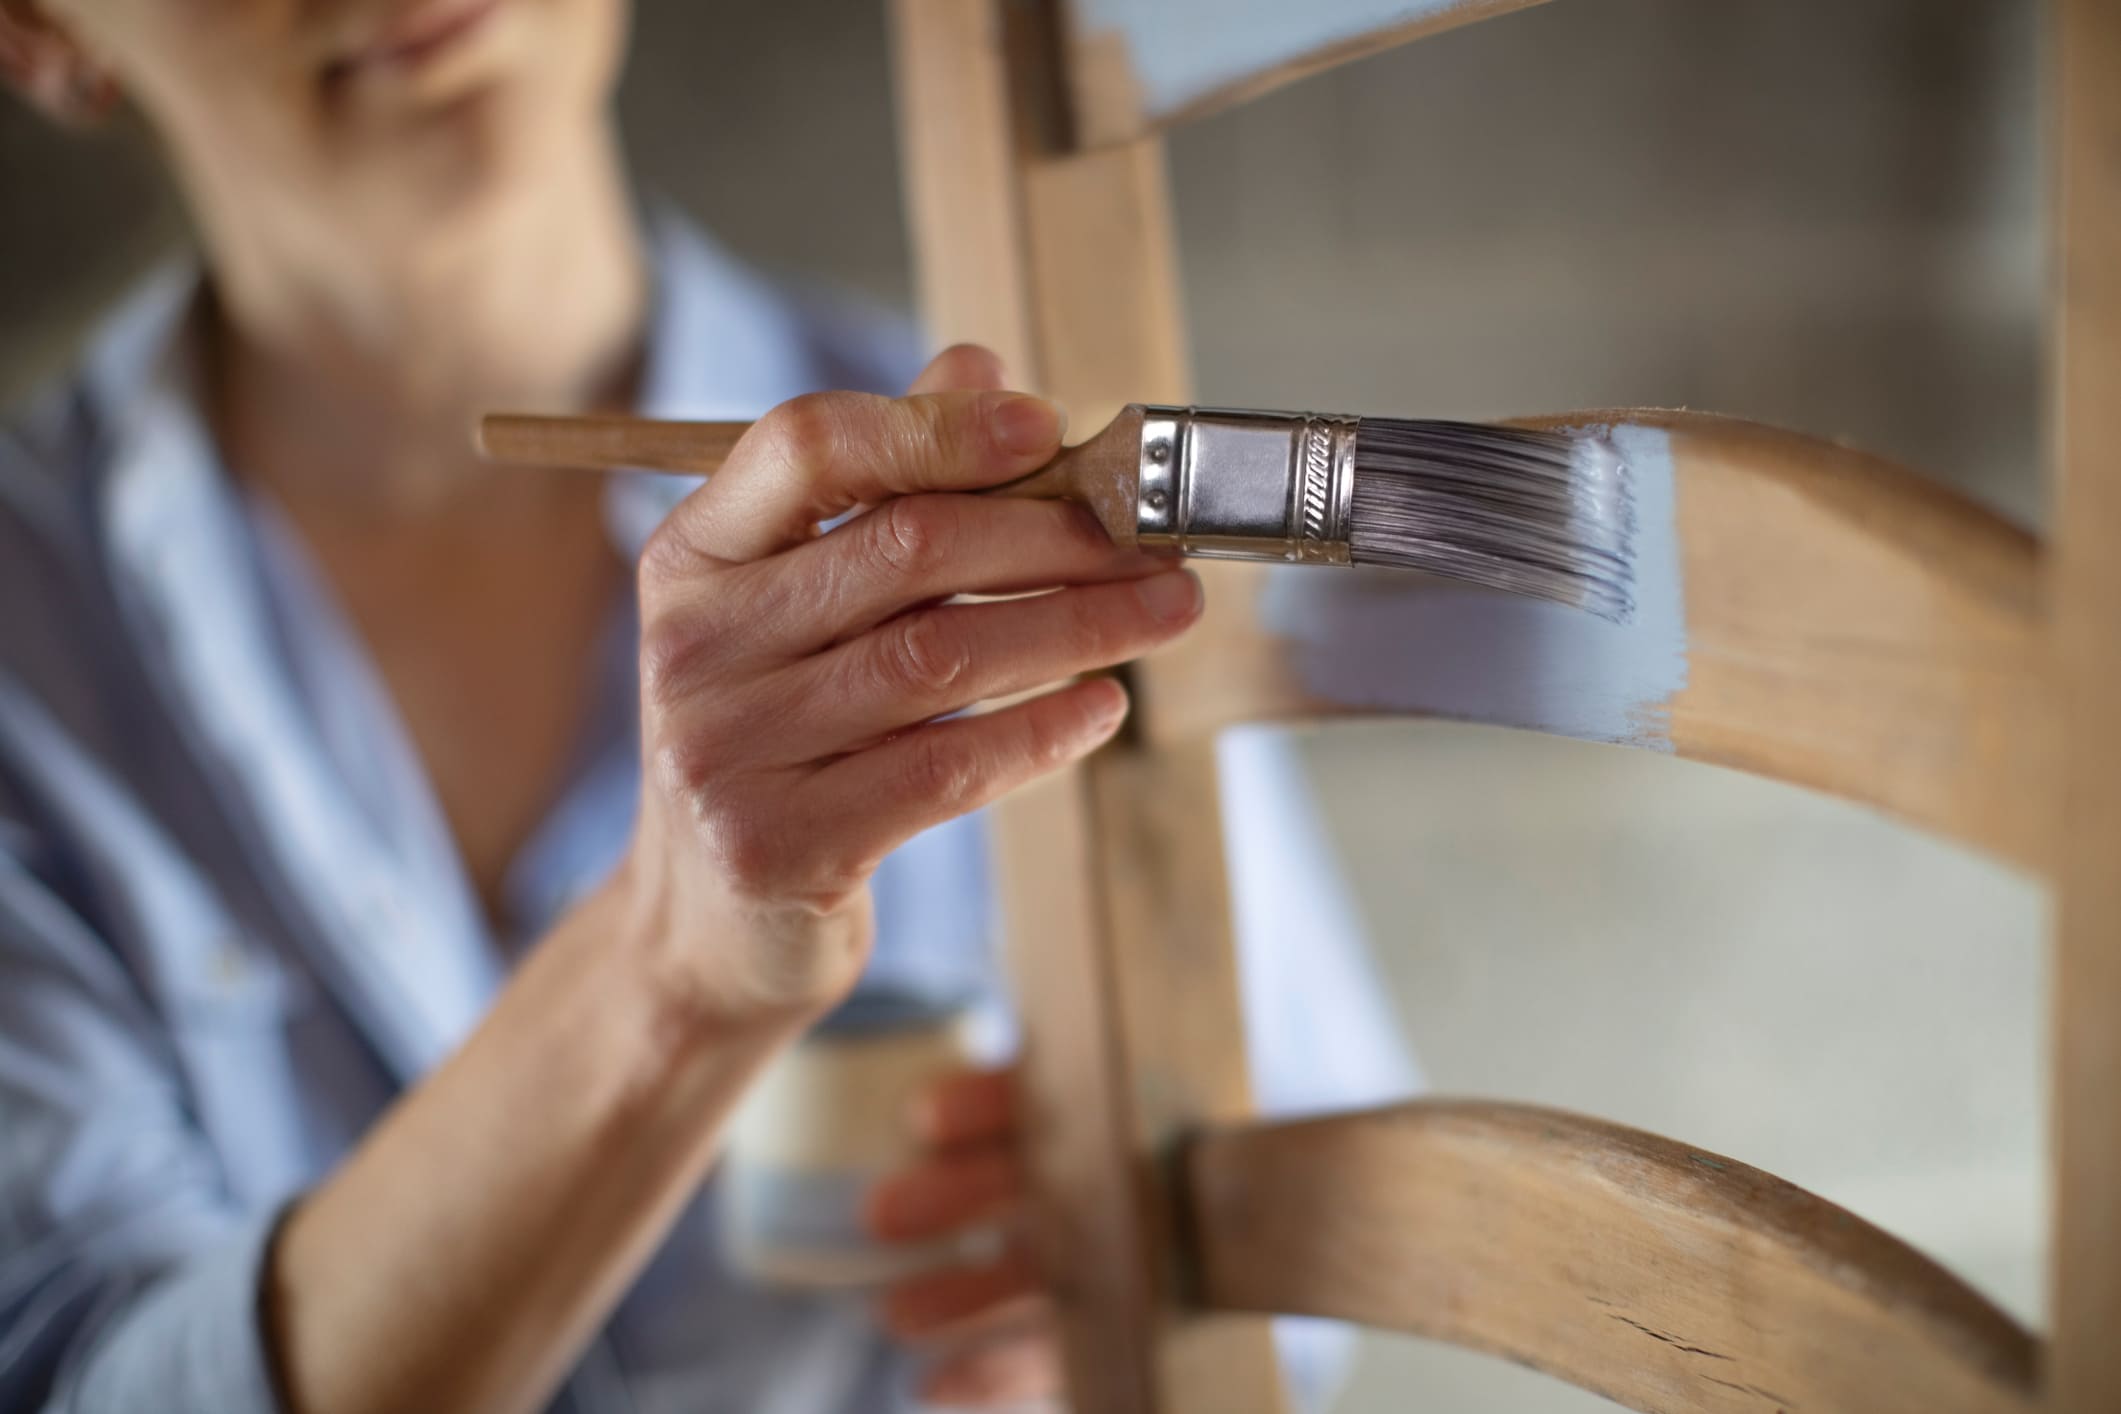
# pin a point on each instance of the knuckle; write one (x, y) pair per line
(696, 769)
(927, 656)
(679, 654)
(911, 536)
(669, 652)
(744, 847)
(667, 557)
(804, 431)
(939, 770)
(923, 655)
(682, 771)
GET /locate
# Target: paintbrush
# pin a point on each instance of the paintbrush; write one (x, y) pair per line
(1534, 511)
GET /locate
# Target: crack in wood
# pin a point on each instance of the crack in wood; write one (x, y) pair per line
(1781, 1404)
(1672, 1340)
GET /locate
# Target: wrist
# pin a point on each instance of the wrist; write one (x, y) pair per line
(726, 966)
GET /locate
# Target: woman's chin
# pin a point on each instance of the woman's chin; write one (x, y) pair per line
(478, 157)
(471, 136)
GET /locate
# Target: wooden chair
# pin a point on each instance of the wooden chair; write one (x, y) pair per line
(1829, 600)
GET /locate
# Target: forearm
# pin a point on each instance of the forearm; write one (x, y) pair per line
(802, 702)
(466, 1251)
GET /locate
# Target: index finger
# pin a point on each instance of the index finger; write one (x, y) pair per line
(818, 455)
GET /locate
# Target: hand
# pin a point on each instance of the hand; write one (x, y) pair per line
(989, 1326)
(797, 689)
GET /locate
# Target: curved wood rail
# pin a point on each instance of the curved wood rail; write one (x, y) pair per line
(1136, 66)
(1806, 612)
(1657, 1275)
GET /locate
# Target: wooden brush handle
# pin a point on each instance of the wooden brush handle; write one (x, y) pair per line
(1099, 473)
(608, 443)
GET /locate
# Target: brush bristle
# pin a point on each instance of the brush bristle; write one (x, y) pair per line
(1548, 514)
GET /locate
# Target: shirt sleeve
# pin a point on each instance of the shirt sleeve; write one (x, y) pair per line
(128, 1280)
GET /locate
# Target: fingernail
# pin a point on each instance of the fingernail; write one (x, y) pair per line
(1024, 424)
(1170, 597)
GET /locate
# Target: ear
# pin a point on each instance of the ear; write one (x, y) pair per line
(41, 61)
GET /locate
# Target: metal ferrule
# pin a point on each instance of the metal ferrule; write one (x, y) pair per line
(1246, 485)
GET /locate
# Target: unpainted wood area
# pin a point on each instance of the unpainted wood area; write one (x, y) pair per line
(1674, 1280)
(1763, 971)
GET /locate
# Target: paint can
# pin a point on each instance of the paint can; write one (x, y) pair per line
(828, 1119)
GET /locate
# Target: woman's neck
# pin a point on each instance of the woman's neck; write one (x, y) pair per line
(348, 366)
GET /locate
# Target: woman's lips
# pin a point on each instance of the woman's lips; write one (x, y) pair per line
(420, 34)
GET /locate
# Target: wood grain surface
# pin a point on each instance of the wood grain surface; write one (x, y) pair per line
(1661, 1276)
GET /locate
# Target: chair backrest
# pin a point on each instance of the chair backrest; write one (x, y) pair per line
(1819, 600)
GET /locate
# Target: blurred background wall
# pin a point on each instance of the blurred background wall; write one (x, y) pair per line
(1822, 212)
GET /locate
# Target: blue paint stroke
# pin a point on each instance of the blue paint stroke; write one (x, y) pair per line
(1183, 50)
(1386, 640)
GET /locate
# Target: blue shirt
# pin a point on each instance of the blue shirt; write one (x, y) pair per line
(234, 926)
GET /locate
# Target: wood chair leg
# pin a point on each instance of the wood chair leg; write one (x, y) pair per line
(1113, 890)
(1121, 935)
(2084, 1372)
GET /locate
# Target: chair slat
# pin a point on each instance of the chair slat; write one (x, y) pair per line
(1137, 66)
(1805, 612)
(1663, 1277)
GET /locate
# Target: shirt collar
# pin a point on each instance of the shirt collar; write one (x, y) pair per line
(140, 347)
(721, 343)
